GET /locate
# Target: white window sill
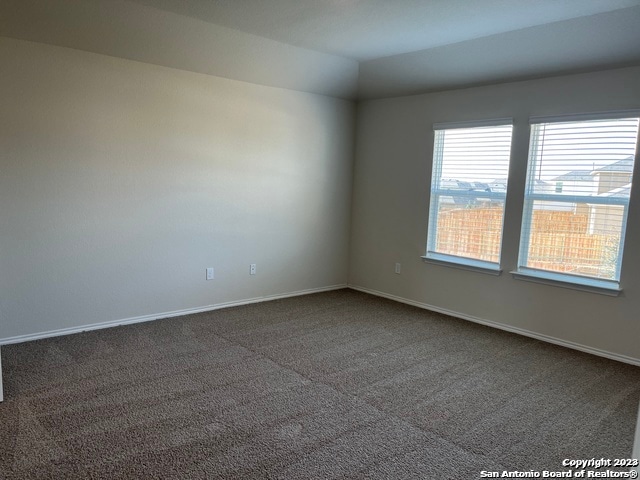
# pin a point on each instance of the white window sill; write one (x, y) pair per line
(593, 285)
(463, 263)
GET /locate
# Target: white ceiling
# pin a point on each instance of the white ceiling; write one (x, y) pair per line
(369, 29)
(353, 49)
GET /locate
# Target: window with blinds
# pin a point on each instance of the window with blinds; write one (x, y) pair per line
(468, 191)
(577, 196)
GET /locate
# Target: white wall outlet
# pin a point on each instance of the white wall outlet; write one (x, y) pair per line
(252, 269)
(209, 273)
(398, 268)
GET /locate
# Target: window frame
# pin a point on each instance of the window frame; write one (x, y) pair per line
(431, 255)
(563, 279)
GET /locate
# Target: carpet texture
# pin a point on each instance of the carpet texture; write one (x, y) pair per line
(333, 385)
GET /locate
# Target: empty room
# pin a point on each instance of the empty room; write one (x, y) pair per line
(322, 239)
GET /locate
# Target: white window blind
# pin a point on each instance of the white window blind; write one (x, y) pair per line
(577, 197)
(468, 191)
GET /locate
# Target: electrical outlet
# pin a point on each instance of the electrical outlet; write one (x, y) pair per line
(398, 268)
(209, 273)
(252, 269)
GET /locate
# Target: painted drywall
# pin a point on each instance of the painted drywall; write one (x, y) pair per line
(394, 144)
(128, 30)
(122, 181)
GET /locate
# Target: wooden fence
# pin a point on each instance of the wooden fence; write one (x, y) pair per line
(559, 241)
(474, 233)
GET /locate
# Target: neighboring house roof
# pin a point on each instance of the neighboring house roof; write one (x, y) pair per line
(454, 184)
(620, 192)
(575, 176)
(503, 181)
(625, 165)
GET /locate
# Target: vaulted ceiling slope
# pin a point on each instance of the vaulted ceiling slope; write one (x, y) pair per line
(370, 29)
(344, 48)
(129, 30)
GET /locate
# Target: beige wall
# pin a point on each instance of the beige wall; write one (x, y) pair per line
(121, 181)
(391, 197)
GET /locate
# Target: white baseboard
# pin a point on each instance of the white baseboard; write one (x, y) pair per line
(502, 326)
(158, 316)
(207, 308)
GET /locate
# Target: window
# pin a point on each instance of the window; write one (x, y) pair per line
(575, 233)
(468, 191)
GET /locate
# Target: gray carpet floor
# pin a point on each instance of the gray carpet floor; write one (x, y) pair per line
(333, 385)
